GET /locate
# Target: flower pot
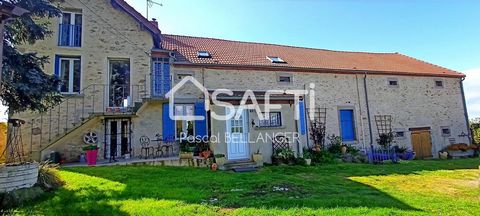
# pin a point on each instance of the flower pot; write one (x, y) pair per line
(308, 162)
(92, 157)
(214, 167)
(220, 161)
(443, 155)
(127, 156)
(258, 158)
(343, 149)
(186, 155)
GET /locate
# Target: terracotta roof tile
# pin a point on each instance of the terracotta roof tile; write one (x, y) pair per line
(236, 53)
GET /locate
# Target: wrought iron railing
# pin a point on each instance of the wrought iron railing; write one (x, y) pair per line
(70, 35)
(76, 109)
(379, 154)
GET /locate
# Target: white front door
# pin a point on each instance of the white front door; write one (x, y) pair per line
(237, 137)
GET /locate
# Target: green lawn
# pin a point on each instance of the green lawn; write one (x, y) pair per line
(414, 187)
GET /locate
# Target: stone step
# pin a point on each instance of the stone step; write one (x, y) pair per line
(246, 169)
(239, 165)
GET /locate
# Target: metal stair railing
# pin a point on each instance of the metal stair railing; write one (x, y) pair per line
(76, 109)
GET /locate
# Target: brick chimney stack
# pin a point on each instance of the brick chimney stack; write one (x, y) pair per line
(154, 22)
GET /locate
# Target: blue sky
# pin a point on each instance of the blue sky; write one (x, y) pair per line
(446, 33)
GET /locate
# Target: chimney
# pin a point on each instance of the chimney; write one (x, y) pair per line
(154, 22)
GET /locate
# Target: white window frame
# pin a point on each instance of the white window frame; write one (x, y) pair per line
(400, 130)
(262, 122)
(71, 73)
(72, 22)
(183, 73)
(184, 122)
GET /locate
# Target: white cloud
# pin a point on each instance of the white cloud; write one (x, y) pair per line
(472, 92)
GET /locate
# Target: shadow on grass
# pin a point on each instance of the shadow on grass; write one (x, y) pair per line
(320, 187)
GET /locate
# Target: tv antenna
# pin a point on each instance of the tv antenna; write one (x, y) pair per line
(151, 3)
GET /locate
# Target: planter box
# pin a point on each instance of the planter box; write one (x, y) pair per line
(16, 177)
(186, 155)
(459, 153)
(258, 158)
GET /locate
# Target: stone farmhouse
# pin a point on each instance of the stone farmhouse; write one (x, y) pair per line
(117, 67)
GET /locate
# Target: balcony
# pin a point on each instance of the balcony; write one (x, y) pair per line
(70, 35)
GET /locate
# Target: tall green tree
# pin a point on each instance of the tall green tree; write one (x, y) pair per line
(475, 126)
(25, 86)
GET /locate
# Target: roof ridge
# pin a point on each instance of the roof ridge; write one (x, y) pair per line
(282, 45)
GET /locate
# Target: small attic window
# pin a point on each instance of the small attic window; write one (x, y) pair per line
(275, 59)
(203, 54)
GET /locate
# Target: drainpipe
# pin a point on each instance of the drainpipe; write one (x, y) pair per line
(368, 108)
(465, 110)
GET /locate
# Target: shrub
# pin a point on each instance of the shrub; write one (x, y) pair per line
(385, 139)
(322, 157)
(48, 176)
(90, 147)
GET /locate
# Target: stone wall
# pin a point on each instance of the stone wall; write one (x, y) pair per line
(16, 177)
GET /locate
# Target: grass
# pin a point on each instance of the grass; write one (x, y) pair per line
(415, 187)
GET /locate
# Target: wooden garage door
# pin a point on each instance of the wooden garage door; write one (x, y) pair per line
(422, 144)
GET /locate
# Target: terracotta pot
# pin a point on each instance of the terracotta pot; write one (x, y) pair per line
(258, 158)
(214, 167)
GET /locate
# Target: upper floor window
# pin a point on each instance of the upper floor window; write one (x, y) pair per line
(439, 83)
(70, 30)
(68, 70)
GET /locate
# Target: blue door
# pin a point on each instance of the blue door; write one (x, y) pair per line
(347, 125)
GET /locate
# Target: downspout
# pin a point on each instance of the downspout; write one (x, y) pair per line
(465, 110)
(362, 126)
(368, 108)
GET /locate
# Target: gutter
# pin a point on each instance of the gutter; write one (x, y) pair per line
(368, 108)
(465, 110)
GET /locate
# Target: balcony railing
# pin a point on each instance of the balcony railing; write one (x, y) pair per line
(70, 35)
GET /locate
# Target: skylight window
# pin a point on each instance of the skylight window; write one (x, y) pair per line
(275, 59)
(203, 54)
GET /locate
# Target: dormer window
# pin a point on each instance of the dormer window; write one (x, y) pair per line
(275, 59)
(203, 54)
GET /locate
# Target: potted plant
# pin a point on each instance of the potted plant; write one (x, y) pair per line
(220, 159)
(460, 150)
(185, 150)
(443, 154)
(283, 156)
(307, 156)
(258, 158)
(91, 151)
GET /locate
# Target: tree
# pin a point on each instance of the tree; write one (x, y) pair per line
(25, 86)
(475, 126)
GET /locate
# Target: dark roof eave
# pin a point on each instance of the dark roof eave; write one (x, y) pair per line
(315, 70)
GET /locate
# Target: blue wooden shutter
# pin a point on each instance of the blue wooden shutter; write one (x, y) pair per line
(166, 78)
(57, 66)
(168, 124)
(301, 109)
(347, 125)
(200, 125)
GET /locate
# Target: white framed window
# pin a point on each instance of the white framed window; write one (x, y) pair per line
(399, 133)
(184, 128)
(284, 78)
(70, 29)
(446, 132)
(393, 82)
(273, 119)
(69, 72)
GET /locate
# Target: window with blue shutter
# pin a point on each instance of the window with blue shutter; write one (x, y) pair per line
(303, 126)
(200, 125)
(168, 124)
(70, 30)
(347, 125)
(160, 77)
